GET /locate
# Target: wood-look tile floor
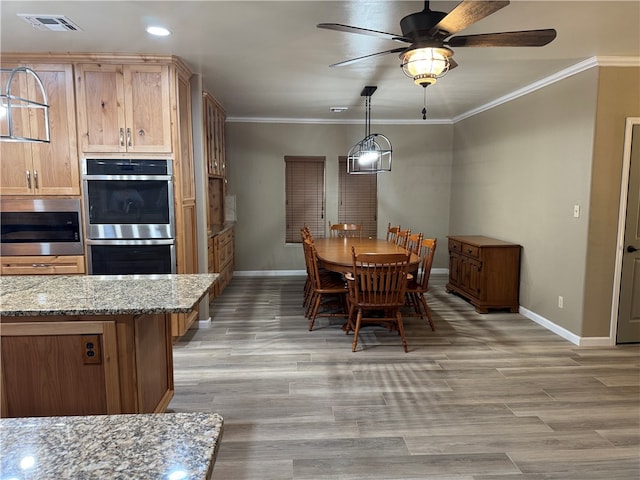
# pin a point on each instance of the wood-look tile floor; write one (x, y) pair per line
(491, 396)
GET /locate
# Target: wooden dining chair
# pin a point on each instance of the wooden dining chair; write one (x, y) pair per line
(305, 234)
(392, 233)
(403, 237)
(377, 283)
(419, 285)
(345, 230)
(324, 285)
(414, 243)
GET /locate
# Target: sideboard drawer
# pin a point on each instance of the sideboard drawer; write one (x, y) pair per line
(470, 250)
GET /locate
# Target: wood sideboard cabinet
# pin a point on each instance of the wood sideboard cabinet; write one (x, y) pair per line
(485, 271)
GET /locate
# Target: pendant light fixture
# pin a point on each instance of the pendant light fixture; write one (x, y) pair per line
(12, 105)
(373, 153)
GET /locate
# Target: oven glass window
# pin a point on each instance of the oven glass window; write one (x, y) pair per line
(128, 201)
(38, 227)
(131, 259)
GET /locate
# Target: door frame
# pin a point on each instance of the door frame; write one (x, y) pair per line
(622, 214)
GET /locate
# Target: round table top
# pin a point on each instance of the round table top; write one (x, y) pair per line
(335, 253)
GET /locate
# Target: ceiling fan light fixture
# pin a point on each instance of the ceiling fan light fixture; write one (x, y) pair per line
(426, 65)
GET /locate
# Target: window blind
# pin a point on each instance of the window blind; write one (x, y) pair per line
(304, 191)
(358, 199)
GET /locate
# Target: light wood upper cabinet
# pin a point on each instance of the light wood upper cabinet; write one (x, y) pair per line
(42, 168)
(124, 108)
(214, 118)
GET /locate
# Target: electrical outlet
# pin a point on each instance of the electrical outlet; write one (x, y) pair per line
(91, 351)
(560, 301)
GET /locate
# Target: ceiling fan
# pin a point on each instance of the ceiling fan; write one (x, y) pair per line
(429, 35)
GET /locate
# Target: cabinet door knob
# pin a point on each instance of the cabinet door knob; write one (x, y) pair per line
(631, 249)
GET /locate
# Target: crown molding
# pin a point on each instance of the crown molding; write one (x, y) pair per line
(325, 121)
(551, 79)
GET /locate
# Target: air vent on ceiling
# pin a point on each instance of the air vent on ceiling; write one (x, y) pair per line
(54, 23)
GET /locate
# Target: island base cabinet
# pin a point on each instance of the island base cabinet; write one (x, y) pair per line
(53, 366)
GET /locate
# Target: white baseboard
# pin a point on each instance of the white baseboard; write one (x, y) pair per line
(269, 273)
(564, 333)
(204, 323)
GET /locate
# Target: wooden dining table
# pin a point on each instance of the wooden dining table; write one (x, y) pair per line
(335, 253)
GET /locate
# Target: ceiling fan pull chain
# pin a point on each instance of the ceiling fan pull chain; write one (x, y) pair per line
(424, 102)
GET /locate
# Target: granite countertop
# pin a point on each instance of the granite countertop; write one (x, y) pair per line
(33, 295)
(142, 447)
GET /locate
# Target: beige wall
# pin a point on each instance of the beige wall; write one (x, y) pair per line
(618, 98)
(520, 168)
(415, 193)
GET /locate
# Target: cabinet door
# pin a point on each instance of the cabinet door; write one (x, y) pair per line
(454, 269)
(101, 119)
(147, 108)
(55, 164)
(42, 168)
(185, 159)
(15, 167)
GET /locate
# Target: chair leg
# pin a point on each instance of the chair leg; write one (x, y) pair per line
(356, 332)
(401, 330)
(426, 310)
(314, 312)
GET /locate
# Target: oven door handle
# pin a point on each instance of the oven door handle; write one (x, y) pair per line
(148, 241)
(162, 178)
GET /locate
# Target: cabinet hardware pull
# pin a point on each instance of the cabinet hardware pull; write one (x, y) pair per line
(41, 265)
(28, 179)
(122, 137)
(35, 179)
(128, 137)
(631, 249)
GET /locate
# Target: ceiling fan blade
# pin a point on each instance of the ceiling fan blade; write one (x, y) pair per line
(525, 38)
(363, 31)
(465, 14)
(357, 59)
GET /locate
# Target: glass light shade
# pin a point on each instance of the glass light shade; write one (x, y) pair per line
(425, 65)
(370, 155)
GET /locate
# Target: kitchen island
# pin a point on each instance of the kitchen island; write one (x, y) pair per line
(87, 345)
(141, 447)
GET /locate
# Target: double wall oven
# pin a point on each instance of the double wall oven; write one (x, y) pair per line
(129, 216)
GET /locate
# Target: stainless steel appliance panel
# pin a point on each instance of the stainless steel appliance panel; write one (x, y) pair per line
(124, 257)
(128, 199)
(40, 227)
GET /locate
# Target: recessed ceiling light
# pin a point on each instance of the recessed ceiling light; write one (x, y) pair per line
(158, 31)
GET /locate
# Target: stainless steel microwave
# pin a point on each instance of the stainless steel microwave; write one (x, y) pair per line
(40, 227)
